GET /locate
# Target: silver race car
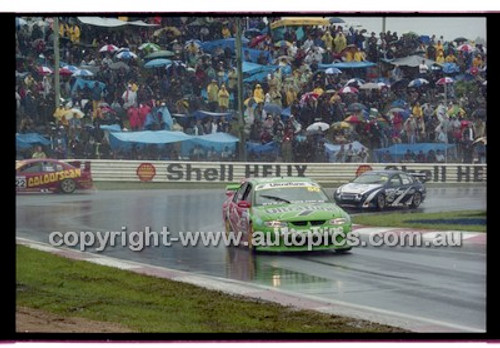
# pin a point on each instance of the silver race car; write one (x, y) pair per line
(380, 189)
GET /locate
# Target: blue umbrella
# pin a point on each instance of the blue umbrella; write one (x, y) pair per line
(418, 82)
(273, 108)
(157, 63)
(450, 68)
(399, 103)
(82, 73)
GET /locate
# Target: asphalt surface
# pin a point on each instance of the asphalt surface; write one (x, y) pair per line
(446, 286)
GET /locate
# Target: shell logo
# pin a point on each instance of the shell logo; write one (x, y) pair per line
(363, 169)
(146, 171)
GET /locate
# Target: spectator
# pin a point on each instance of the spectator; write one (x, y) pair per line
(39, 153)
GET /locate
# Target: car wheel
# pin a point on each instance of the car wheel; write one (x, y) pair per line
(416, 200)
(380, 200)
(227, 226)
(68, 186)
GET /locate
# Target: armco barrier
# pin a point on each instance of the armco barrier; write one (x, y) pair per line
(325, 173)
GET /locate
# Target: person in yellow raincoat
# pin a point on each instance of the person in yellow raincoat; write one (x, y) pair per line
(359, 56)
(340, 42)
(226, 33)
(74, 35)
(440, 57)
(451, 58)
(327, 39)
(477, 62)
(318, 90)
(258, 92)
(213, 94)
(223, 97)
(417, 110)
(59, 113)
(291, 94)
(349, 56)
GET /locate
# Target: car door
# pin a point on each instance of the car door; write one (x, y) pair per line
(234, 211)
(392, 188)
(407, 186)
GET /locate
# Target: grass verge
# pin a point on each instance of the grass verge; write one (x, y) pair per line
(410, 220)
(149, 304)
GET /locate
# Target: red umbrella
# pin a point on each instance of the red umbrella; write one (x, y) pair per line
(307, 96)
(444, 81)
(65, 72)
(353, 119)
(108, 48)
(43, 70)
(256, 40)
(465, 48)
(348, 89)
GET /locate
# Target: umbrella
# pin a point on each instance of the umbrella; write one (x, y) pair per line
(481, 113)
(65, 72)
(402, 83)
(444, 81)
(354, 83)
(466, 48)
(450, 68)
(341, 125)
(333, 71)
(108, 48)
(393, 110)
(157, 63)
(119, 65)
(273, 108)
(149, 46)
(308, 96)
(383, 85)
(455, 110)
(20, 22)
(418, 82)
(336, 20)
(347, 90)
(74, 112)
(399, 103)
(43, 70)
(356, 107)
(71, 68)
(460, 39)
(256, 40)
(252, 32)
(480, 140)
(82, 73)
(126, 55)
(176, 63)
(172, 30)
(370, 85)
(318, 126)
(192, 42)
(160, 54)
(283, 43)
(353, 119)
(287, 58)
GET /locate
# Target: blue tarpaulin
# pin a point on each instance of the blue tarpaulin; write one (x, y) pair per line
(111, 127)
(397, 151)
(346, 65)
(216, 142)
(259, 148)
(81, 83)
(200, 114)
(254, 55)
(153, 116)
(209, 46)
(27, 140)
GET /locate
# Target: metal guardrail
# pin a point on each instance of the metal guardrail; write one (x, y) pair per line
(220, 172)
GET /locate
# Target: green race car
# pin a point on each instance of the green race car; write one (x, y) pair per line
(285, 214)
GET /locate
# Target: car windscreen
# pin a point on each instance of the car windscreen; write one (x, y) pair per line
(372, 178)
(289, 193)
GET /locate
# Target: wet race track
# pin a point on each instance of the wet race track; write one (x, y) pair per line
(444, 287)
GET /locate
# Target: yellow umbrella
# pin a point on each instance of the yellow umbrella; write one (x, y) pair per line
(59, 113)
(340, 125)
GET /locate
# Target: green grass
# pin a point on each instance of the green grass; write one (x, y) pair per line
(149, 304)
(401, 220)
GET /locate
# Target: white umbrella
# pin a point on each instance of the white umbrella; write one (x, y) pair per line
(108, 48)
(82, 73)
(317, 126)
(333, 71)
(74, 112)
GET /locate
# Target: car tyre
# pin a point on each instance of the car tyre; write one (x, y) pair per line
(380, 201)
(343, 251)
(416, 200)
(68, 186)
(250, 237)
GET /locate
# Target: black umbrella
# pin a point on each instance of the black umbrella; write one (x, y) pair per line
(460, 39)
(403, 83)
(336, 20)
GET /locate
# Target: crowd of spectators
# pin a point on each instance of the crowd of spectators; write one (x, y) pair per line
(124, 92)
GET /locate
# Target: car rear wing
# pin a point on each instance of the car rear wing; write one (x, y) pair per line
(233, 187)
(422, 177)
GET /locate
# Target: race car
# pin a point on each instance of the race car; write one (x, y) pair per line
(381, 189)
(288, 214)
(51, 175)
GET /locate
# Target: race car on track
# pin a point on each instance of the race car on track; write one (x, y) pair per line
(50, 175)
(381, 189)
(291, 214)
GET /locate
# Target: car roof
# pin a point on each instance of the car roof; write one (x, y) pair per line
(268, 180)
(23, 162)
(384, 171)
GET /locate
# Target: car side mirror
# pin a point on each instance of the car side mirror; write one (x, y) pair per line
(244, 204)
(229, 193)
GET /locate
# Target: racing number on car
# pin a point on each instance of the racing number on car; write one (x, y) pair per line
(20, 182)
(390, 194)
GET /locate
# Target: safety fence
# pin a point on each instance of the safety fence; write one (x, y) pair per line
(226, 172)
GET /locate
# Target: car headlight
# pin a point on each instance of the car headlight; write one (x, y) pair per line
(338, 221)
(276, 223)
